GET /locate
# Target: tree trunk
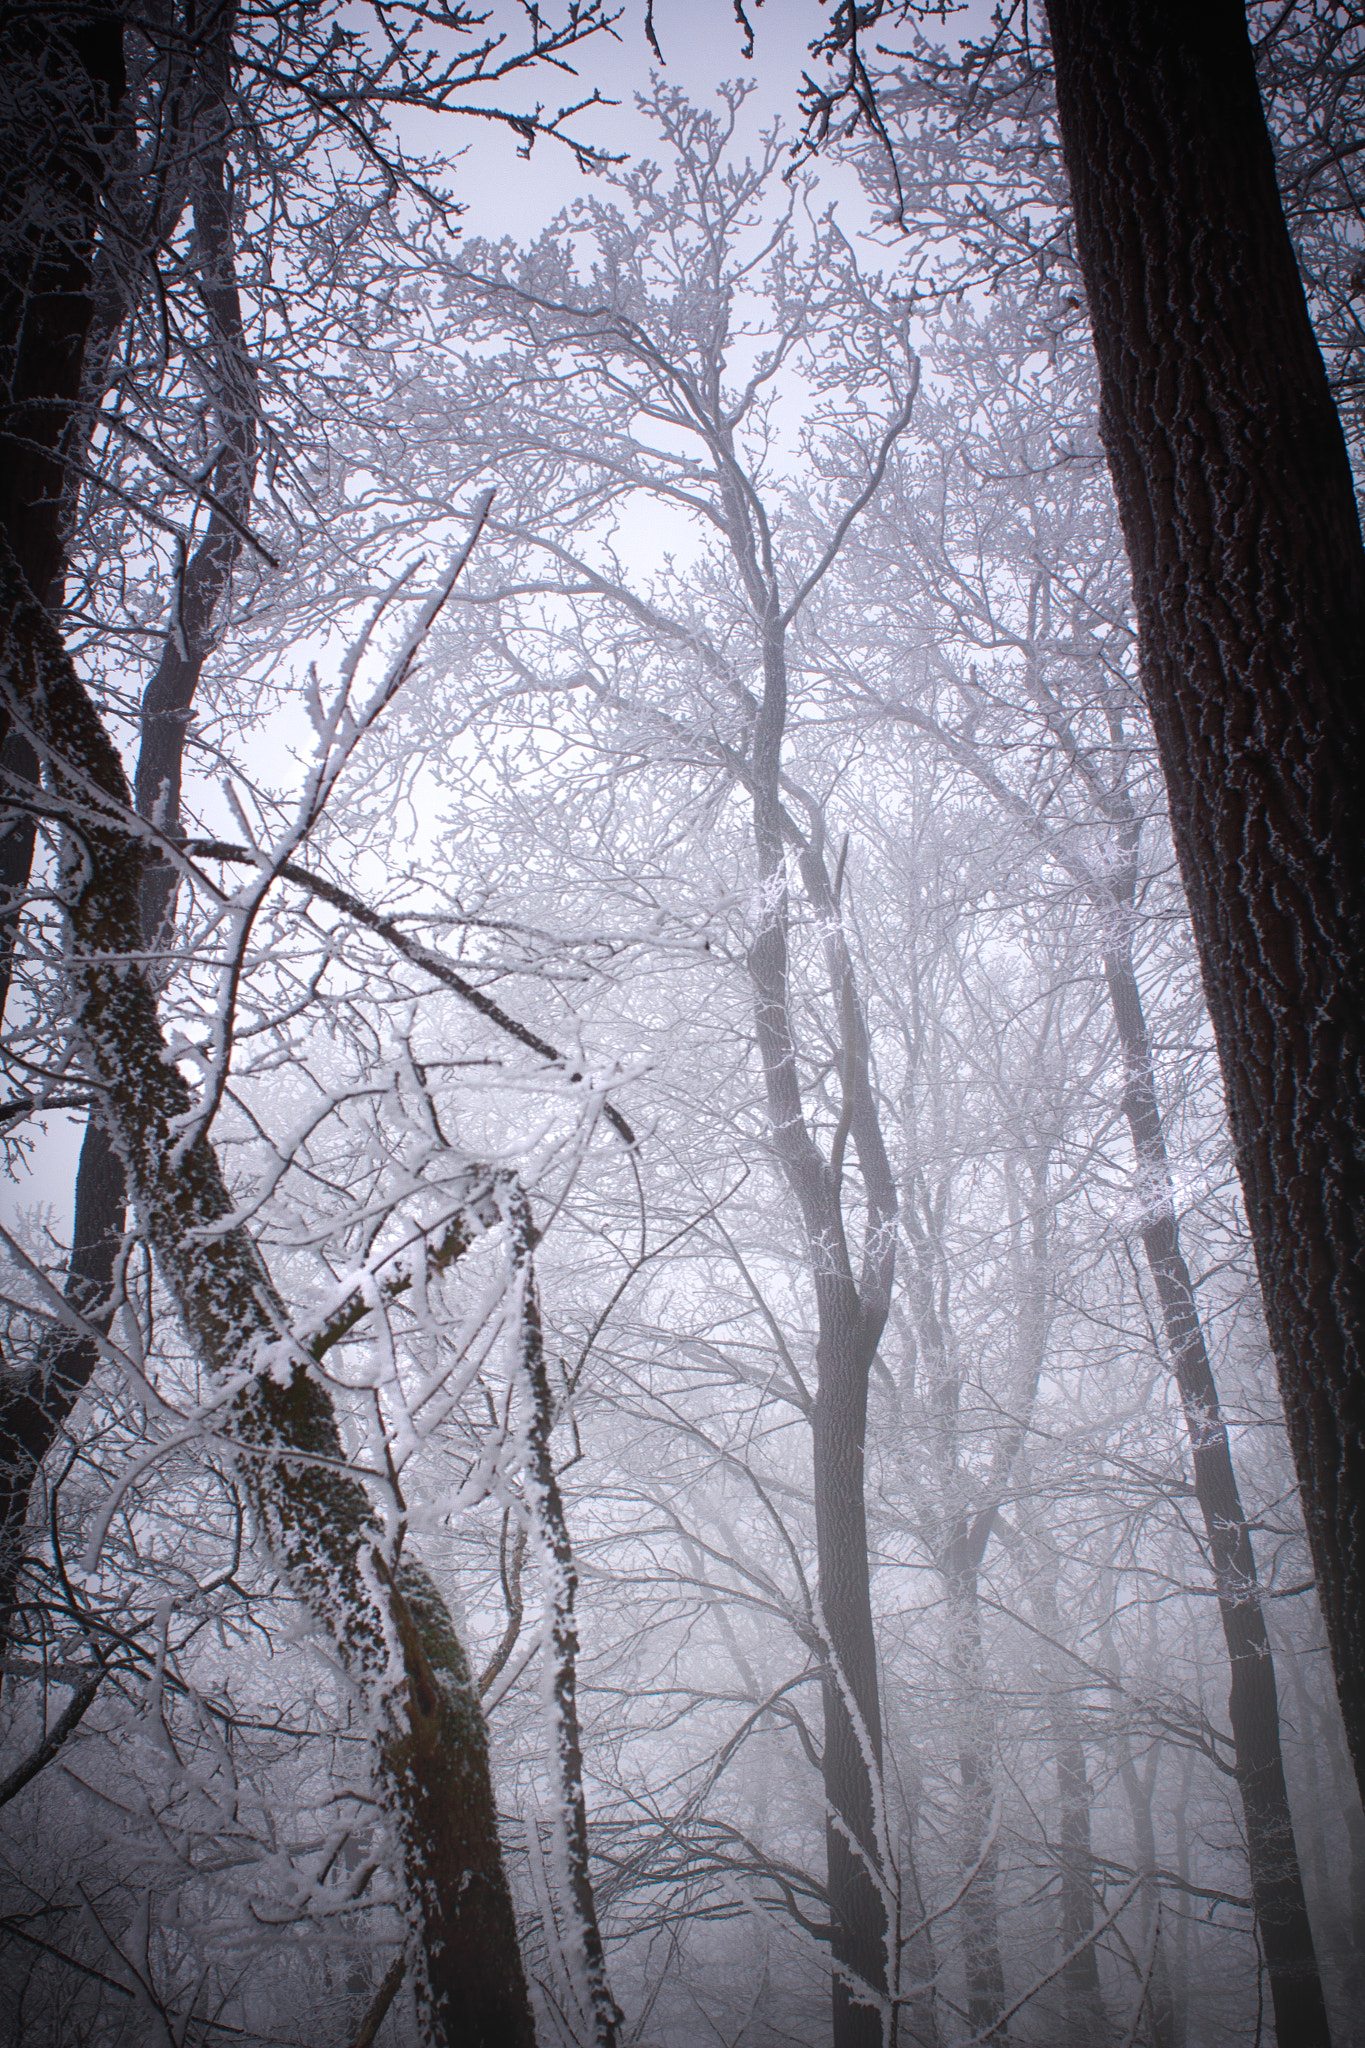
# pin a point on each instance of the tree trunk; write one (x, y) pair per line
(34, 1409)
(390, 1630)
(63, 85)
(1253, 1704)
(1138, 1788)
(979, 1814)
(851, 1313)
(1243, 534)
(1084, 2024)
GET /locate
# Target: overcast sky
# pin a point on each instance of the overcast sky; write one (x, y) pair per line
(702, 44)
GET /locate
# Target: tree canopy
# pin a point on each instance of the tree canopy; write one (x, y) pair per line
(687, 885)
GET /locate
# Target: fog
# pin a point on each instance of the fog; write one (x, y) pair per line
(647, 1416)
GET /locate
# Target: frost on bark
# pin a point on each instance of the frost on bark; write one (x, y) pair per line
(389, 1627)
(1243, 534)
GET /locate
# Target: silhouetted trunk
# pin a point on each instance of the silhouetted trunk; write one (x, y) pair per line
(1138, 1788)
(64, 80)
(1183, 1939)
(34, 1409)
(918, 1963)
(1243, 534)
(1083, 2016)
(1083, 2022)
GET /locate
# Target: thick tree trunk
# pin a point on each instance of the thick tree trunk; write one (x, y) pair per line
(63, 83)
(1249, 580)
(33, 1409)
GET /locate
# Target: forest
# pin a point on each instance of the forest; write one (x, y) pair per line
(682, 957)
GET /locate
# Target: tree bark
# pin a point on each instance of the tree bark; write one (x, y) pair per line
(34, 1408)
(1243, 534)
(63, 83)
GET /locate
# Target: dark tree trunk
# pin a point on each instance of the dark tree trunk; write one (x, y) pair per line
(34, 1408)
(1253, 1703)
(63, 84)
(1249, 579)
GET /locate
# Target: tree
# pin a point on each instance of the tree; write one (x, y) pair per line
(651, 334)
(391, 1631)
(1240, 518)
(997, 570)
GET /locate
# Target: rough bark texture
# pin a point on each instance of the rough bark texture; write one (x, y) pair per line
(1249, 580)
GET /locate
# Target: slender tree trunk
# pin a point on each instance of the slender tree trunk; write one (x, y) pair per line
(852, 1718)
(1138, 1788)
(851, 1314)
(1084, 2024)
(917, 1958)
(1184, 1940)
(1277, 1885)
(1242, 529)
(979, 1812)
(581, 1938)
(1253, 1706)
(34, 1408)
